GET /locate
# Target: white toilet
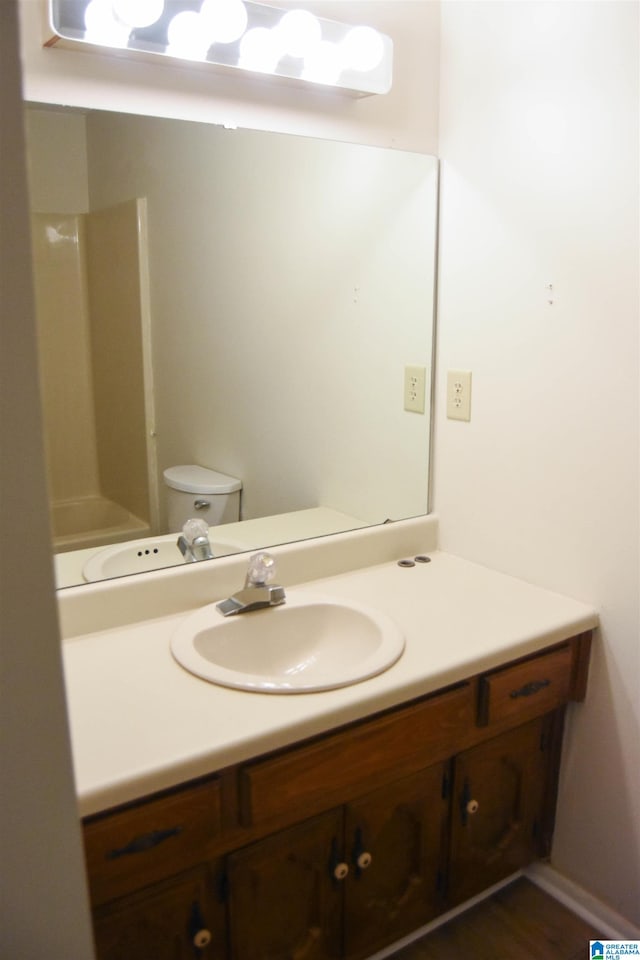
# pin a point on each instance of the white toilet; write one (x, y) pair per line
(194, 491)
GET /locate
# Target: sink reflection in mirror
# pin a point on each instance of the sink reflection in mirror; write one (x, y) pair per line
(138, 556)
(300, 269)
(308, 644)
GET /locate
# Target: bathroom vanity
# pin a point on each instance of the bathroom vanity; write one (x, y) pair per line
(219, 823)
(348, 841)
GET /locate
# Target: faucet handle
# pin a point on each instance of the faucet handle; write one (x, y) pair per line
(195, 528)
(261, 569)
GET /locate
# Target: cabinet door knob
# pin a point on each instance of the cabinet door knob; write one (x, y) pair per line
(202, 939)
(468, 806)
(360, 856)
(340, 870)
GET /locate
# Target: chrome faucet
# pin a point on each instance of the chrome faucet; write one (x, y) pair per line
(193, 542)
(258, 590)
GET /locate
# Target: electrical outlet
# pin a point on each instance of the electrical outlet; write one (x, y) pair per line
(414, 388)
(459, 395)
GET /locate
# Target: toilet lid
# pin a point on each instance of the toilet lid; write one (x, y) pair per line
(190, 478)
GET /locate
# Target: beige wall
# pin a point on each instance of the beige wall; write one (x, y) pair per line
(539, 143)
(43, 906)
(57, 161)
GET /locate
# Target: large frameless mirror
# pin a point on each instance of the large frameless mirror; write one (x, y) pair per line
(257, 305)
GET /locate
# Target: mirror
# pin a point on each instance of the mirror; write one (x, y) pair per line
(258, 304)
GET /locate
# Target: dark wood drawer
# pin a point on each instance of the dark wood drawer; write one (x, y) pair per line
(330, 771)
(526, 689)
(138, 845)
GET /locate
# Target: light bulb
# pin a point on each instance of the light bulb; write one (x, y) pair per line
(137, 13)
(362, 49)
(226, 20)
(259, 50)
(299, 31)
(186, 37)
(102, 27)
(323, 64)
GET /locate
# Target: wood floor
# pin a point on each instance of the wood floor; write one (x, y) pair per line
(519, 922)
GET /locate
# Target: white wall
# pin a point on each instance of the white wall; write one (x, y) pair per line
(539, 143)
(43, 905)
(406, 118)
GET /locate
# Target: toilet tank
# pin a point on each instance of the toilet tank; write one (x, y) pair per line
(195, 491)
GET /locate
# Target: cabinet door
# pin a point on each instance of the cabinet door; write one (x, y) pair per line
(395, 839)
(178, 919)
(284, 901)
(498, 805)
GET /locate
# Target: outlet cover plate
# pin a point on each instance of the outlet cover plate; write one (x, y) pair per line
(459, 395)
(415, 379)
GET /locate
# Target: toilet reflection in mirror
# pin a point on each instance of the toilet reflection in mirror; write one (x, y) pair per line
(195, 491)
(256, 320)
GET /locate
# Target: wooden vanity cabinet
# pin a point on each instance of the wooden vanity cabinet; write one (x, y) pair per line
(344, 883)
(395, 845)
(337, 847)
(176, 919)
(283, 899)
(499, 814)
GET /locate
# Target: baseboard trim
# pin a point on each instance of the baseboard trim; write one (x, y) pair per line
(607, 922)
(443, 918)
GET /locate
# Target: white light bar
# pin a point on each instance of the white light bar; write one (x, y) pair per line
(236, 34)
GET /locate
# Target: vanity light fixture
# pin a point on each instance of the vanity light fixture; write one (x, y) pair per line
(237, 34)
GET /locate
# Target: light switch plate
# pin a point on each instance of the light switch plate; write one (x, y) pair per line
(459, 395)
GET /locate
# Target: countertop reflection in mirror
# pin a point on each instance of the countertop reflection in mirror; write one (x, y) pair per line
(242, 300)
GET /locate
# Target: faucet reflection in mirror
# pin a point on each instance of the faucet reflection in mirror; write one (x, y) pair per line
(247, 36)
(193, 543)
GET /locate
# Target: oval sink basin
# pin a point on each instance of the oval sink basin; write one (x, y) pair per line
(307, 644)
(139, 556)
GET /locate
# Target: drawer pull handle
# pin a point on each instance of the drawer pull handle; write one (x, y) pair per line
(145, 842)
(529, 689)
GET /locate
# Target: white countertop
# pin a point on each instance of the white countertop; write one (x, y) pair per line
(141, 723)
